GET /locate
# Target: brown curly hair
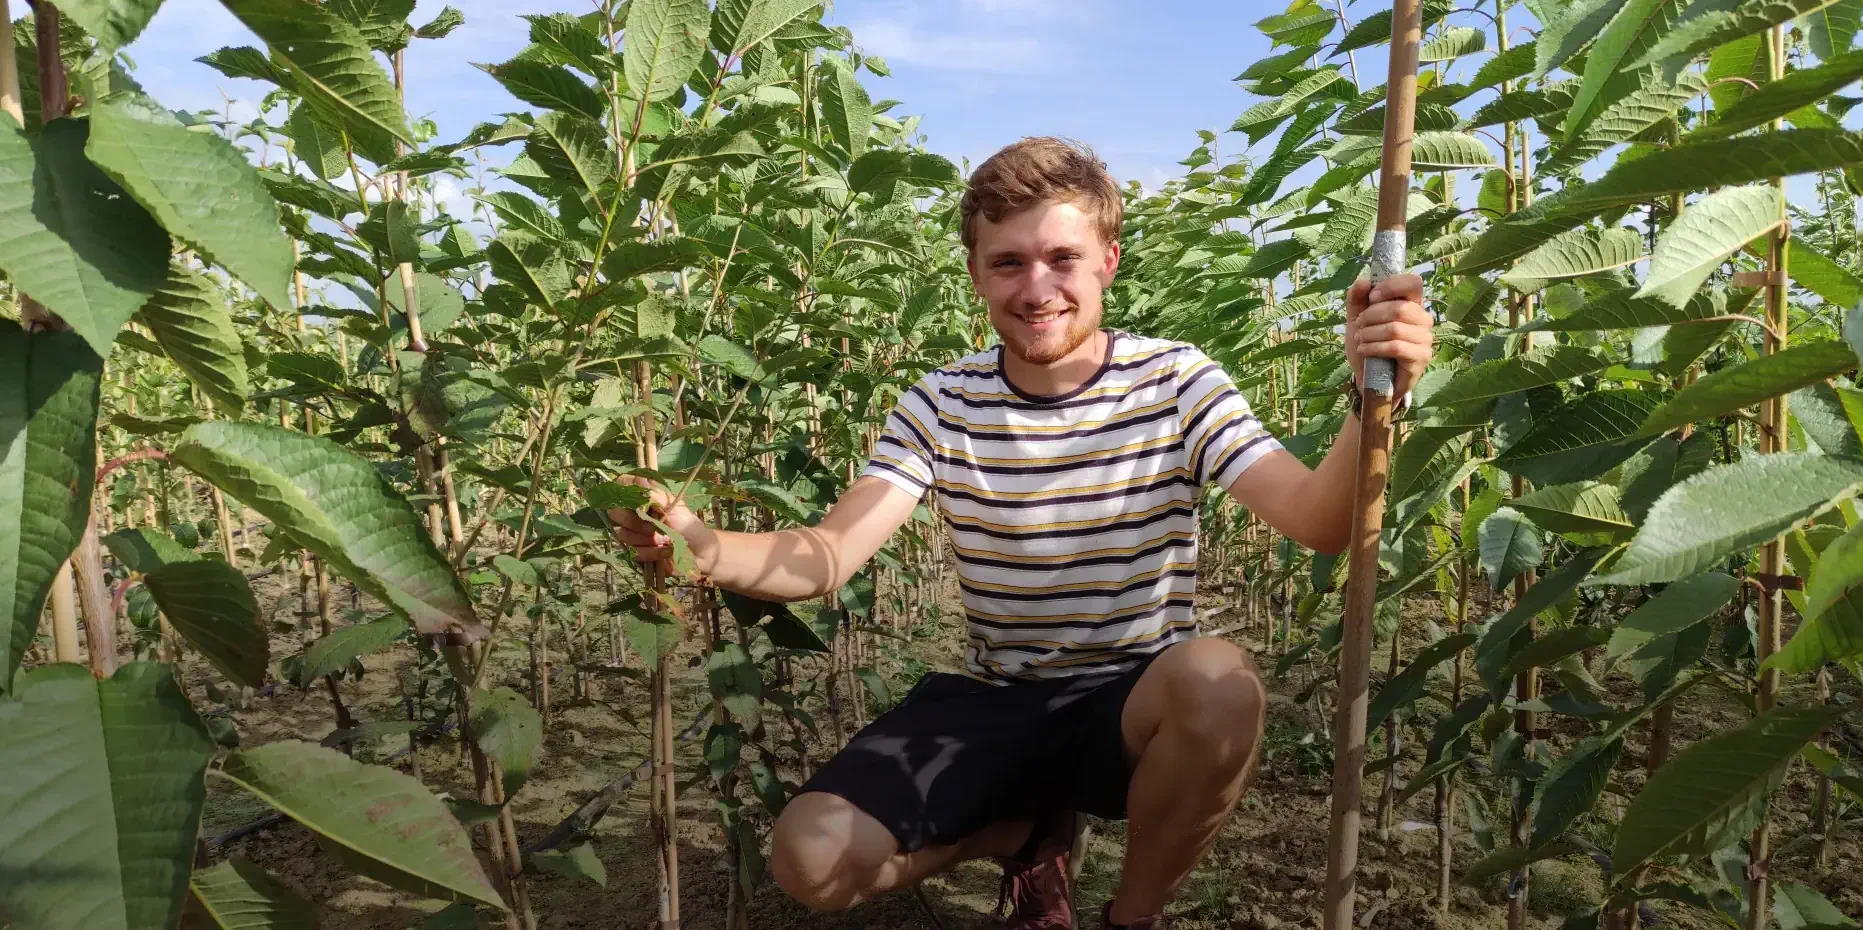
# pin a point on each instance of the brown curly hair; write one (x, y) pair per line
(1039, 168)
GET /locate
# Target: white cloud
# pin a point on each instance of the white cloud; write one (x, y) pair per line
(896, 40)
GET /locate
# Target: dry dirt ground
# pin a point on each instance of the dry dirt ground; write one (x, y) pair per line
(1265, 871)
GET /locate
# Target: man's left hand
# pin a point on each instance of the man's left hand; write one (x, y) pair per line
(1388, 321)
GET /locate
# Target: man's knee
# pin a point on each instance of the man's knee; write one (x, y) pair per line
(826, 853)
(1217, 698)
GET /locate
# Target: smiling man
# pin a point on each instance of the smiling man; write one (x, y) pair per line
(1067, 462)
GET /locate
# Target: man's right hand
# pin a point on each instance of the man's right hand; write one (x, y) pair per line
(650, 544)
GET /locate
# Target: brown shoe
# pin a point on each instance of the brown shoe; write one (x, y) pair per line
(1154, 922)
(1036, 886)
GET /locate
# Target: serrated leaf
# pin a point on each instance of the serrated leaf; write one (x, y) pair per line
(113, 23)
(1574, 27)
(332, 68)
(49, 386)
(1502, 637)
(510, 733)
(735, 358)
(1750, 382)
(244, 61)
(145, 550)
(334, 651)
(1576, 254)
(1833, 29)
(1521, 105)
(1513, 374)
(532, 265)
(549, 86)
(1701, 520)
(1350, 224)
(1619, 309)
(198, 186)
(1508, 544)
(1512, 858)
(189, 319)
(878, 170)
(632, 259)
(1375, 27)
(70, 237)
(1452, 43)
(1637, 25)
(1623, 120)
(1699, 240)
(1516, 62)
(237, 895)
(1587, 512)
(572, 150)
(1580, 439)
(211, 605)
(577, 861)
(1678, 607)
(734, 34)
(735, 682)
(1404, 687)
(1712, 792)
(1816, 272)
(1448, 151)
(104, 796)
(373, 814)
(665, 39)
(441, 25)
(339, 506)
(1832, 629)
(1777, 98)
(846, 108)
(1571, 787)
(1710, 23)
(1303, 24)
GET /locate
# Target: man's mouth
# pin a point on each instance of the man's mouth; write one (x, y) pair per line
(1044, 321)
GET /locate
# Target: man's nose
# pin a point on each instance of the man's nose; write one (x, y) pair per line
(1043, 285)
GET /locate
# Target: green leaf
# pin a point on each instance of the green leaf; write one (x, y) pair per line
(1587, 512)
(845, 107)
(1448, 151)
(632, 259)
(1573, 26)
(145, 550)
(332, 68)
(1699, 240)
(734, 358)
(1349, 228)
(1571, 787)
(212, 606)
(1751, 382)
(1678, 607)
(1711, 23)
(878, 170)
(1516, 62)
(532, 265)
(1777, 98)
(1512, 858)
(1729, 507)
(113, 23)
(1452, 43)
(334, 651)
(1516, 373)
(734, 34)
(237, 895)
(1832, 630)
(442, 24)
(1712, 792)
(1800, 907)
(339, 506)
(244, 61)
(1619, 310)
(104, 795)
(1833, 29)
(549, 86)
(1637, 25)
(1816, 272)
(510, 733)
(198, 186)
(70, 237)
(1404, 687)
(1576, 254)
(735, 682)
(1509, 544)
(1623, 120)
(1582, 438)
(578, 861)
(189, 319)
(48, 459)
(572, 150)
(373, 814)
(1521, 105)
(665, 39)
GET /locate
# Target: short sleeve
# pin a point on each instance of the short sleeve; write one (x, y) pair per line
(903, 453)
(1221, 434)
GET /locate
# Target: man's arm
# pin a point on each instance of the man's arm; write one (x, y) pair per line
(1314, 506)
(786, 565)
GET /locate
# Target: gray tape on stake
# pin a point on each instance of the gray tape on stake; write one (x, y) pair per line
(1387, 259)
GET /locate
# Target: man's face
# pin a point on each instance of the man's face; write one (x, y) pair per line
(1041, 270)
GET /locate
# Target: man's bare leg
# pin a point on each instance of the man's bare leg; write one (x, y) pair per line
(1193, 722)
(830, 855)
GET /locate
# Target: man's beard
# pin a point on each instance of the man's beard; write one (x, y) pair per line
(1048, 350)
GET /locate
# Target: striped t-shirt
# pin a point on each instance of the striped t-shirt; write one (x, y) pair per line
(1073, 517)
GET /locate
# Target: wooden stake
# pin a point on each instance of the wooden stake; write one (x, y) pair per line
(664, 806)
(1374, 459)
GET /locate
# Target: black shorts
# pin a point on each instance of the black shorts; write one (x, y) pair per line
(958, 755)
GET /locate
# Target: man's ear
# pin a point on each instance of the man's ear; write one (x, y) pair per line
(970, 265)
(1113, 251)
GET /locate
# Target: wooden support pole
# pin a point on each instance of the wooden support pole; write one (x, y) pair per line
(1374, 458)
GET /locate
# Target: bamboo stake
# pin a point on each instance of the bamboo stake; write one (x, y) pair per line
(1772, 555)
(1374, 456)
(665, 789)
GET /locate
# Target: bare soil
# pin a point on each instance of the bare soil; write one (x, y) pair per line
(1265, 871)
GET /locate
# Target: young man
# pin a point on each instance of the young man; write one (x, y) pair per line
(1067, 462)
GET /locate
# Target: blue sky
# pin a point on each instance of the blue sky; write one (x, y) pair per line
(1135, 81)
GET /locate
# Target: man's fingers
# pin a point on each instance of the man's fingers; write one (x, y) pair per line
(1398, 287)
(1400, 349)
(1392, 310)
(1400, 331)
